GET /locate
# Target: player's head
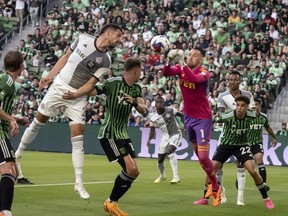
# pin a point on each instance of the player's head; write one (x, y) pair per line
(112, 33)
(159, 103)
(234, 80)
(132, 66)
(195, 58)
(242, 105)
(258, 103)
(13, 62)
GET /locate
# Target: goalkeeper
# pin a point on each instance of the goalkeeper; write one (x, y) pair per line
(194, 80)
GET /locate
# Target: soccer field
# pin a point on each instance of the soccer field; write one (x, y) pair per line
(53, 192)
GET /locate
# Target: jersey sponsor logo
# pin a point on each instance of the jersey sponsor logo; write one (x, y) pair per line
(79, 52)
(91, 64)
(99, 60)
(189, 85)
(122, 151)
(256, 126)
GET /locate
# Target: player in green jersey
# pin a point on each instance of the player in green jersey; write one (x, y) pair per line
(122, 94)
(13, 63)
(256, 137)
(235, 142)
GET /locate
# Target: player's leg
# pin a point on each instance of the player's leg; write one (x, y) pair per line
(174, 142)
(219, 175)
(249, 164)
(27, 138)
(161, 167)
(241, 181)
(257, 151)
(9, 174)
(127, 160)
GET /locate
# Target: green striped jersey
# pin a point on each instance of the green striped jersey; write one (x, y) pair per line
(7, 95)
(235, 131)
(115, 125)
(256, 129)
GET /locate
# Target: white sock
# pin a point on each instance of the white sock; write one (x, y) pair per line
(161, 169)
(219, 176)
(20, 174)
(78, 157)
(28, 137)
(174, 165)
(241, 178)
(7, 213)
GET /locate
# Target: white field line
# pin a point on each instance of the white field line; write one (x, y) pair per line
(59, 184)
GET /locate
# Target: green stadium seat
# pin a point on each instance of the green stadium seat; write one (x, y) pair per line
(33, 70)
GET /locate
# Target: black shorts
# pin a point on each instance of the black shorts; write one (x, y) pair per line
(258, 148)
(7, 152)
(242, 153)
(115, 149)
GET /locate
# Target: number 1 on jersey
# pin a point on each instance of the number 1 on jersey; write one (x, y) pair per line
(202, 133)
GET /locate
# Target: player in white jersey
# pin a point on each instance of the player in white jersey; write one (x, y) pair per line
(85, 62)
(164, 118)
(226, 102)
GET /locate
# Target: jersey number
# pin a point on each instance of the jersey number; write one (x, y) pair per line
(245, 150)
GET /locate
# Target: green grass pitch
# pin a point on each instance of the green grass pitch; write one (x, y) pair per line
(53, 192)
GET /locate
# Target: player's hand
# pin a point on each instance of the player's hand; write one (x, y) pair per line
(128, 98)
(274, 142)
(14, 129)
(180, 55)
(148, 143)
(171, 55)
(45, 81)
(70, 95)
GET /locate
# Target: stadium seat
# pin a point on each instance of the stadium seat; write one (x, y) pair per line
(33, 70)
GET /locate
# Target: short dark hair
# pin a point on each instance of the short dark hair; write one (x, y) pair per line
(236, 73)
(243, 98)
(13, 61)
(200, 50)
(159, 98)
(130, 63)
(258, 100)
(110, 26)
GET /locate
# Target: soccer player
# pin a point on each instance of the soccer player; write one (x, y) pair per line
(85, 62)
(256, 136)
(226, 102)
(122, 95)
(165, 119)
(13, 63)
(235, 141)
(197, 112)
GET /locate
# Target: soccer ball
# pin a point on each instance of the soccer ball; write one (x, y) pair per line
(160, 44)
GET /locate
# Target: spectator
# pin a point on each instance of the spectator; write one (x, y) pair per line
(283, 131)
(51, 58)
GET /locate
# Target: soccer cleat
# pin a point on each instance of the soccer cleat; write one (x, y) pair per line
(160, 179)
(113, 209)
(24, 181)
(175, 181)
(79, 188)
(267, 188)
(223, 196)
(240, 202)
(209, 191)
(216, 197)
(269, 204)
(2, 214)
(201, 201)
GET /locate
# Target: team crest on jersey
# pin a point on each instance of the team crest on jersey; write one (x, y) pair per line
(85, 45)
(183, 75)
(203, 141)
(99, 60)
(168, 115)
(42, 106)
(91, 64)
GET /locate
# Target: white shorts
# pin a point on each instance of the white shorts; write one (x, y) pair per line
(75, 109)
(166, 141)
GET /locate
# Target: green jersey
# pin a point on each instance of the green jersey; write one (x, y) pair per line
(256, 129)
(115, 124)
(235, 131)
(7, 95)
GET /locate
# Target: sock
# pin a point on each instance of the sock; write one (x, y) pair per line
(20, 174)
(219, 176)
(261, 188)
(28, 137)
(241, 178)
(207, 165)
(7, 191)
(174, 165)
(121, 186)
(7, 213)
(78, 157)
(161, 169)
(262, 172)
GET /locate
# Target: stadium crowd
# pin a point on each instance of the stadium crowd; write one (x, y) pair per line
(248, 36)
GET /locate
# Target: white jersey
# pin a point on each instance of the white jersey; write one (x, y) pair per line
(227, 101)
(85, 61)
(166, 122)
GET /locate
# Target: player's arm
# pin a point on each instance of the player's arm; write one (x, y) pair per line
(151, 135)
(137, 103)
(196, 78)
(272, 134)
(84, 90)
(55, 70)
(14, 129)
